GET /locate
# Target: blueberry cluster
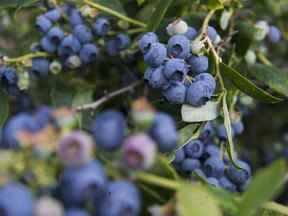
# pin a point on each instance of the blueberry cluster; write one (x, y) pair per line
(204, 158)
(76, 48)
(179, 69)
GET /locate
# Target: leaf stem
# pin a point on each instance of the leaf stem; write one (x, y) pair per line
(107, 97)
(114, 13)
(25, 57)
(273, 206)
(157, 180)
(263, 59)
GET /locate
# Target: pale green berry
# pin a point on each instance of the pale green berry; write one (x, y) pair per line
(55, 67)
(23, 80)
(262, 29)
(250, 57)
(73, 62)
(177, 27)
(196, 46)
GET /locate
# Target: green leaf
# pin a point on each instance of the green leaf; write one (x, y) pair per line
(194, 199)
(163, 168)
(140, 2)
(215, 4)
(246, 86)
(208, 112)
(4, 108)
(83, 96)
(263, 187)
(112, 4)
(17, 3)
(271, 76)
(158, 14)
(227, 124)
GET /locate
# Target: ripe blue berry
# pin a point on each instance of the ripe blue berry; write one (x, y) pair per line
(209, 79)
(43, 24)
(88, 53)
(75, 17)
(179, 155)
(55, 35)
(238, 127)
(213, 182)
(15, 200)
(80, 184)
(212, 33)
(178, 46)
(199, 64)
(8, 75)
(101, 26)
(139, 151)
(225, 183)
(222, 133)
(175, 93)
(198, 93)
(212, 151)
(194, 149)
(121, 198)
(53, 15)
(111, 47)
(76, 212)
(214, 167)
(155, 78)
(146, 41)
(274, 34)
(47, 45)
(188, 165)
(164, 132)
(239, 176)
(191, 33)
(156, 54)
(82, 33)
(175, 69)
(69, 45)
(75, 149)
(40, 66)
(108, 130)
(122, 41)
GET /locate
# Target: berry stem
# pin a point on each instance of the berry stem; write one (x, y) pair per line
(156, 180)
(273, 206)
(114, 13)
(205, 24)
(107, 97)
(262, 58)
(25, 57)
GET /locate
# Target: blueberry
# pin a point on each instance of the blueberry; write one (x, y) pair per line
(209, 79)
(194, 149)
(191, 33)
(75, 17)
(88, 53)
(175, 69)
(55, 67)
(146, 41)
(111, 47)
(43, 24)
(139, 151)
(188, 165)
(175, 93)
(198, 93)
(212, 33)
(207, 131)
(108, 130)
(9, 75)
(274, 34)
(212, 150)
(47, 45)
(75, 149)
(82, 33)
(121, 198)
(53, 15)
(179, 155)
(69, 45)
(213, 182)
(225, 183)
(55, 35)
(239, 176)
(15, 200)
(47, 206)
(199, 64)
(155, 78)
(73, 62)
(222, 133)
(164, 132)
(178, 46)
(238, 127)
(101, 26)
(214, 167)
(177, 27)
(76, 212)
(40, 66)
(35, 47)
(122, 41)
(80, 184)
(156, 55)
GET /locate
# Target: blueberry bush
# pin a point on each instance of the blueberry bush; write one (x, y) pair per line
(143, 107)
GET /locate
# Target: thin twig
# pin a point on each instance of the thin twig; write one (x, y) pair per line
(25, 57)
(107, 97)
